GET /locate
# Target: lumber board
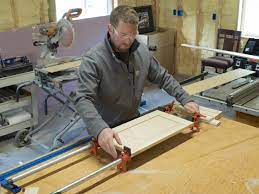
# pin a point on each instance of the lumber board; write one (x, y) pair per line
(209, 115)
(215, 160)
(180, 111)
(149, 130)
(215, 81)
(62, 66)
(216, 114)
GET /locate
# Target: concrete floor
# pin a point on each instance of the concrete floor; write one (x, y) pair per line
(11, 156)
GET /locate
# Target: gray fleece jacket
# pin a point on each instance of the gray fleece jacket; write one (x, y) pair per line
(109, 91)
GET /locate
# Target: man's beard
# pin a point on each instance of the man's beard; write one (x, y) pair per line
(124, 48)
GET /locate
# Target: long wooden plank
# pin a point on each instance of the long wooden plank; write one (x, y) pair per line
(149, 130)
(253, 57)
(17, 79)
(215, 81)
(210, 112)
(209, 115)
(62, 67)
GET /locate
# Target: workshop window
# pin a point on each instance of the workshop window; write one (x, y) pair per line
(90, 8)
(247, 20)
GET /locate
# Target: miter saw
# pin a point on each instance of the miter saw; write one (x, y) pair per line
(52, 35)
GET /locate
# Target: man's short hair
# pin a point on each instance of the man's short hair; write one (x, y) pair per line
(124, 13)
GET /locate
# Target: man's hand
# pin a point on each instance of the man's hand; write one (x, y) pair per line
(105, 140)
(192, 107)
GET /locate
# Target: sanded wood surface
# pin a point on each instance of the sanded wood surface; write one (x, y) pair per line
(149, 130)
(215, 81)
(180, 111)
(210, 112)
(63, 66)
(208, 115)
(216, 160)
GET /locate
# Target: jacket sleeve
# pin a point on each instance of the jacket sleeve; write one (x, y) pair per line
(86, 96)
(159, 75)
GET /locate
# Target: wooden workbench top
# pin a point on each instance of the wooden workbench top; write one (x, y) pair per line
(216, 160)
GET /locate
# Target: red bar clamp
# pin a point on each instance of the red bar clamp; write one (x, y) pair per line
(196, 121)
(95, 146)
(169, 108)
(125, 157)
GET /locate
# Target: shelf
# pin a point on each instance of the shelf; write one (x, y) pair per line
(17, 79)
(4, 130)
(12, 104)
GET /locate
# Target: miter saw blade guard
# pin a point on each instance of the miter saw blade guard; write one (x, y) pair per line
(52, 35)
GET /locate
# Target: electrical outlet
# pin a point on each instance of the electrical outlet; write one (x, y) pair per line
(214, 16)
(174, 12)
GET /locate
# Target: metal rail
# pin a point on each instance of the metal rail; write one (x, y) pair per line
(46, 165)
(87, 177)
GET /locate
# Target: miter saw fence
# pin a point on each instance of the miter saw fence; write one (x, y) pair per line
(52, 35)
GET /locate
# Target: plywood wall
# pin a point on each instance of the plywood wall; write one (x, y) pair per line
(194, 27)
(20, 13)
(197, 27)
(134, 2)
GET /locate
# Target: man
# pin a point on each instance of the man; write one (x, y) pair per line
(112, 77)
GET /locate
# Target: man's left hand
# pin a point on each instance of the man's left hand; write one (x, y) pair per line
(192, 107)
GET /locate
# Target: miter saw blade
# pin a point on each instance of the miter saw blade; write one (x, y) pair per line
(64, 34)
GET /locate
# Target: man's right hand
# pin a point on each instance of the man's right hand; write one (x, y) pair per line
(105, 140)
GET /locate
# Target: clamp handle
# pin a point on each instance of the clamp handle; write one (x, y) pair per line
(196, 120)
(73, 13)
(125, 157)
(95, 146)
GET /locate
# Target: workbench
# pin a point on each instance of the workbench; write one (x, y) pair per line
(216, 160)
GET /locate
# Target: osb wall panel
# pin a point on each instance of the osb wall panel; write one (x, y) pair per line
(208, 6)
(34, 12)
(166, 18)
(135, 2)
(127, 2)
(208, 29)
(190, 7)
(208, 35)
(229, 15)
(20, 13)
(6, 19)
(197, 27)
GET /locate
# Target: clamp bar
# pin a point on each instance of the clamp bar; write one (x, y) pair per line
(121, 163)
(87, 177)
(4, 182)
(48, 164)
